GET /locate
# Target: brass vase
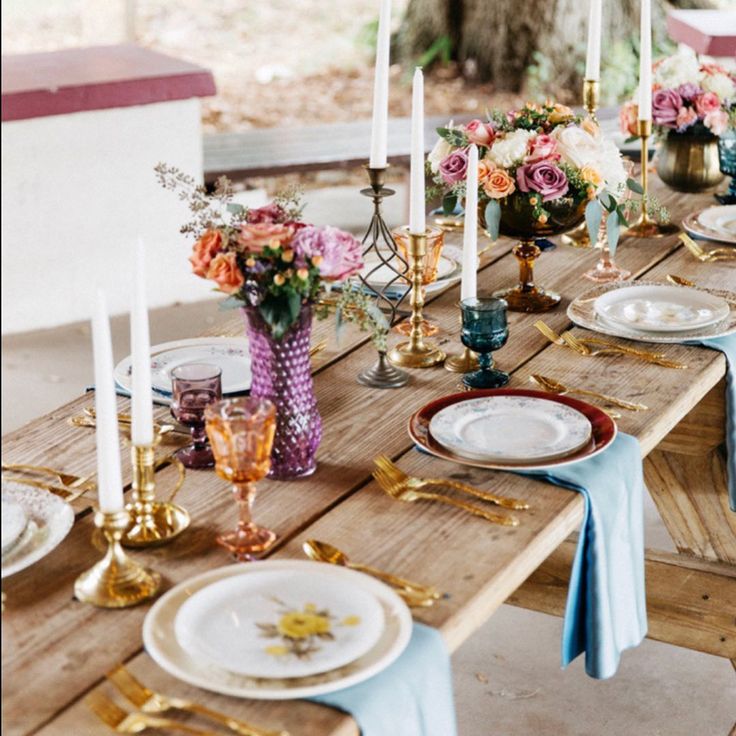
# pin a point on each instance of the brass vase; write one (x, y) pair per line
(689, 163)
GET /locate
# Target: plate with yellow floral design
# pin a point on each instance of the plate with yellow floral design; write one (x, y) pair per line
(280, 623)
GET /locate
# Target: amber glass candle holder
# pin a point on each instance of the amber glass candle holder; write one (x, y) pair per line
(431, 262)
(241, 433)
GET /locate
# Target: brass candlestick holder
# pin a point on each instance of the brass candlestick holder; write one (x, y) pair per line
(579, 237)
(152, 522)
(644, 227)
(115, 581)
(381, 248)
(416, 353)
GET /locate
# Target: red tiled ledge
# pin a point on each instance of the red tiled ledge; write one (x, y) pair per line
(96, 78)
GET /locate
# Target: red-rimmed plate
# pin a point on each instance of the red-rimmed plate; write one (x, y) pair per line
(603, 434)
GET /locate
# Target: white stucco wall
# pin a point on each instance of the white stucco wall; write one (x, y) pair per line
(77, 190)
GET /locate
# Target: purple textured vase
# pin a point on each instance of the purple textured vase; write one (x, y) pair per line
(282, 373)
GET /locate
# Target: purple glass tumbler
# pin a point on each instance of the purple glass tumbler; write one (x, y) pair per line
(194, 387)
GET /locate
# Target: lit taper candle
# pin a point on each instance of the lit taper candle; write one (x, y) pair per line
(469, 284)
(379, 130)
(417, 222)
(593, 57)
(645, 62)
(109, 479)
(142, 400)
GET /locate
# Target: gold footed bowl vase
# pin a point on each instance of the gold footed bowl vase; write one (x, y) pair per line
(689, 163)
(518, 221)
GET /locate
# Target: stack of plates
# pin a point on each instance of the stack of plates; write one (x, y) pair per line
(713, 223)
(34, 522)
(512, 429)
(651, 312)
(277, 630)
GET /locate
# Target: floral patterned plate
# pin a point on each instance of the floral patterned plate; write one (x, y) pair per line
(163, 646)
(693, 225)
(280, 623)
(510, 429)
(229, 353)
(603, 430)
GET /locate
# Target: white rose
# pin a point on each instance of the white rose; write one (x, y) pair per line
(511, 149)
(441, 151)
(678, 69)
(576, 147)
(611, 166)
(720, 84)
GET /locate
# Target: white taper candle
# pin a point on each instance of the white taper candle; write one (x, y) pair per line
(109, 479)
(379, 131)
(469, 284)
(645, 62)
(593, 57)
(142, 400)
(417, 222)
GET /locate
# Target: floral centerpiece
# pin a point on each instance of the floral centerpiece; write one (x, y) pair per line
(275, 267)
(693, 104)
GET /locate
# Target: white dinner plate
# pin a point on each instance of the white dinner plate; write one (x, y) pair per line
(229, 353)
(49, 520)
(511, 429)
(721, 218)
(162, 645)
(582, 312)
(661, 308)
(14, 522)
(280, 623)
(691, 223)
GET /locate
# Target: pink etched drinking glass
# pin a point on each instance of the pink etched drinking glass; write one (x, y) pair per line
(241, 433)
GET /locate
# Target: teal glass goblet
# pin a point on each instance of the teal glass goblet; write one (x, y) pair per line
(727, 158)
(485, 329)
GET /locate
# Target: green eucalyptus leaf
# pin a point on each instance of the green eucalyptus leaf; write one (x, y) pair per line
(232, 302)
(634, 185)
(593, 216)
(493, 219)
(449, 203)
(613, 232)
(235, 208)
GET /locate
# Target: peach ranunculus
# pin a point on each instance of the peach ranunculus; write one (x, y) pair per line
(480, 133)
(499, 184)
(205, 249)
(707, 102)
(591, 127)
(592, 176)
(628, 118)
(485, 169)
(560, 114)
(253, 238)
(686, 116)
(225, 273)
(542, 147)
(716, 122)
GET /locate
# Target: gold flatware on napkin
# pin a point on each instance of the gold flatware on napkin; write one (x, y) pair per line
(707, 256)
(325, 552)
(152, 702)
(400, 492)
(124, 721)
(553, 386)
(417, 484)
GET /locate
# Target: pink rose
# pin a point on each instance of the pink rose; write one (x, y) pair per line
(685, 118)
(205, 249)
(254, 238)
(707, 102)
(269, 213)
(666, 103)
(542, 177)
(336, 253)
(454, 167)
(225, 273)
(716, 122)
(541, 147)
(480, 133)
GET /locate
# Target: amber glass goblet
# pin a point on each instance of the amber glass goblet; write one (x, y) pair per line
(241, 434)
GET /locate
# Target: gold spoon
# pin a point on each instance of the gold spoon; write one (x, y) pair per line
(549, 384)
(325, 552)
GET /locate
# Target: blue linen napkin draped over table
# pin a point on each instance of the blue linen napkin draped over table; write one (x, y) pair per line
(727, 345)
(411, 697)
(606, 603)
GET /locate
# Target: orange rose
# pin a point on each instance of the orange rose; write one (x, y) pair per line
(485, 169)
(499, 184)
(225, 273)
(590, 127)
(205, 249)
(254, 238)
(628, 117)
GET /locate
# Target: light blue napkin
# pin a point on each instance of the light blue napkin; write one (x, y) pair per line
(727, 345)
(606, 604)
(412, 697)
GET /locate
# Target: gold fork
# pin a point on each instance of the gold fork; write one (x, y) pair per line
(583, 349)
(402, 493)
(66, 479)
(707, 256)
(417, 484)
(124, 721)
(149, 701)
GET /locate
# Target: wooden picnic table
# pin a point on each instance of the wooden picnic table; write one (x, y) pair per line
(56, 650)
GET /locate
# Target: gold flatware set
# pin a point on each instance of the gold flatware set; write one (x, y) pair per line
(88, 418)
(707, 256)
(555, 387)
(65, 485)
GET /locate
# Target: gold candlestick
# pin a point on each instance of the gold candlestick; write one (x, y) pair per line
(416, 353)
(644, 227)
(579, 237)
(152, 522)
(115, 581)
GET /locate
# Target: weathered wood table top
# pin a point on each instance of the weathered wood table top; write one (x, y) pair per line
(55, 649)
